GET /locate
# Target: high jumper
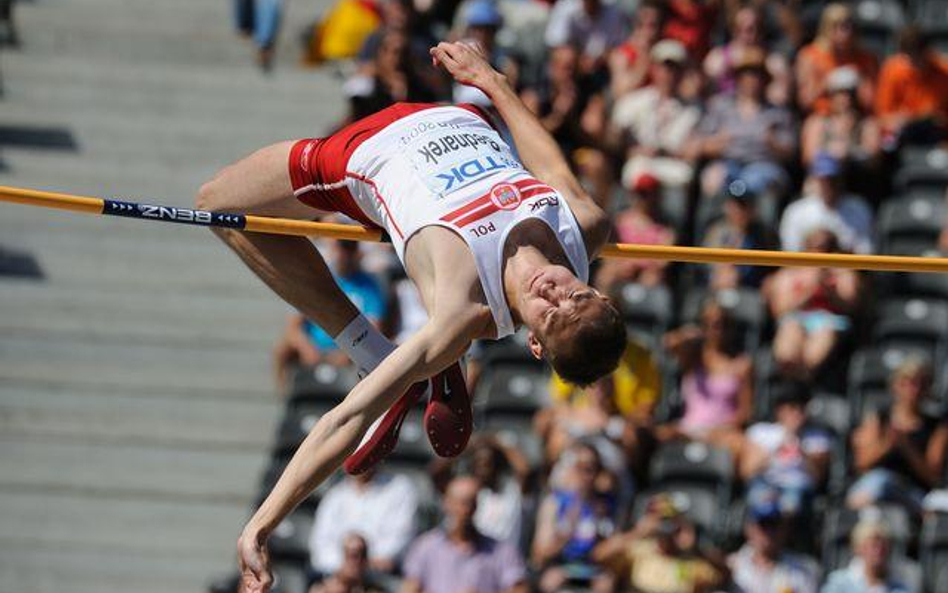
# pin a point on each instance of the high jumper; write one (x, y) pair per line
(492, 240)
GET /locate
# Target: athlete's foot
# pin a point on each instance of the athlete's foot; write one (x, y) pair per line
(382, 436)
(449, 419)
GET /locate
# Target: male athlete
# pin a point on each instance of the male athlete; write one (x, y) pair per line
(490, 243)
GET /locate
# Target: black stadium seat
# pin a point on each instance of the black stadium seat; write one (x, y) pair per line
(878, 22)
(298, 420)
(413, 447)
(919, 322)
(933, 550)
(693, 464)
(322, 382)
(647, 309)
(512, 390)
(919, 218)
(290, 540)
(924, 171)
(934, 286)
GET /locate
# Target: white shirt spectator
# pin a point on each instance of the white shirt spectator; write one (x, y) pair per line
(499, 514)
(850, 220)
(655, 122)
(569, 24)
(792, 572)
(383, 512)
(787, 466)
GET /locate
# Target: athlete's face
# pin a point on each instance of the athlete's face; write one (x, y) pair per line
(553, 299)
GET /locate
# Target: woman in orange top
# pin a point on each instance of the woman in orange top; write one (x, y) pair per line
(835, 46)
(913, 89)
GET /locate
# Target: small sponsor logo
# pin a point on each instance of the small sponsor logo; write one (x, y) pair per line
(505, 196)
(548, 201)
(304, 156)
(179, 214)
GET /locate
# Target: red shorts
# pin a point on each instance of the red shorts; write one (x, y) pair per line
(319, 166)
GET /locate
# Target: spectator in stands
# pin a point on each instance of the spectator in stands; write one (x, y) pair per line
(745, 137)
(457, 558)
(747, 30)
(786, 459)
(813, 308)
(717, 380)
(825, 205)
(593, 27)
(763, 564)
(871, 569)
(654, 123)
(690, 22)
(836, 45)
(11, 37)
(352, 576)
(640, 223)
(845, 131)
(304, 343)
(899, 450)
(631, 62)
(912, 101)
(482, 21)
(379, 506)
(621, 406)
(661, 553)
(571, 521)
(502, 472)
(394, 77)
(261, 19)
(739, 228)
(561, 102)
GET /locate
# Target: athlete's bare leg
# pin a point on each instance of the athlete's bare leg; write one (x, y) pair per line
(291, 266)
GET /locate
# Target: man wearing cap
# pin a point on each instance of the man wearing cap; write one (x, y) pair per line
(763, 565)
(827, 207)
(656, 123)
(592, 27)
(871, 569)
(482, 21)
(747, 138)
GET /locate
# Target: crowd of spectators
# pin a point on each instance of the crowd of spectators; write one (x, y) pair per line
(768, 430)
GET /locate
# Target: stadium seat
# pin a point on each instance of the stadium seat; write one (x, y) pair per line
(322, 382)
(512, 390)
(839, 523)
(934, 286)
(298, 420)
(914, 321)
(923, 246)
(878, 22)
(917, 217)
(693, 464)
(647, 309)
(931, 13)
(933, 550)
(413, 447)
(290, 540)
(289, 577)
(510, 350)
(744, 305)
(711, 209)
(275, 470)
(674, 208)
(923, 171)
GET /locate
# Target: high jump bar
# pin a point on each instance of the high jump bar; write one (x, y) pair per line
(283, 226)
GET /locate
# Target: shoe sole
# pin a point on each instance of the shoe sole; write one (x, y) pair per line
(449, 420)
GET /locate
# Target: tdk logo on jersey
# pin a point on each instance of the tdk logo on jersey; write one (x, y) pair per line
(469, 170)
(505, 196)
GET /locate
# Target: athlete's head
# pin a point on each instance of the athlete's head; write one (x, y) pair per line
(576, 328)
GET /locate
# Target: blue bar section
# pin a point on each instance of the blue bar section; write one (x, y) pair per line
(173, 214)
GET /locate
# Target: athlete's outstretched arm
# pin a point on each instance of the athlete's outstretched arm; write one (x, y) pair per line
(336, 435)
(538, 150)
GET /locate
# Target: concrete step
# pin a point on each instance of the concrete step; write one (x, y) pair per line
(88, 415)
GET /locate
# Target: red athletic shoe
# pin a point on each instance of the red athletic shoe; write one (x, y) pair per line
(382, 436)
(449, 420)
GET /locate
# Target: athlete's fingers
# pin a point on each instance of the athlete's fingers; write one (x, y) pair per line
(443, 57)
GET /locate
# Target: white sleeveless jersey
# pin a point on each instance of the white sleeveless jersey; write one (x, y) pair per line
(446, 166)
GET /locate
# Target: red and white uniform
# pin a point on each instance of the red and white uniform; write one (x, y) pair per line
(416, 165)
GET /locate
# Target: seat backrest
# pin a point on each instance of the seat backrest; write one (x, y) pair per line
(934, 286)
(915, 217)
(650, 306)
(413, 444)
(513, 389)
(323, 382)
(696, 463)
(915, 319)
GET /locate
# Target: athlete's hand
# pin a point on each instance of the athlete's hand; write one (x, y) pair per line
(254, 562)
(466, 63)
